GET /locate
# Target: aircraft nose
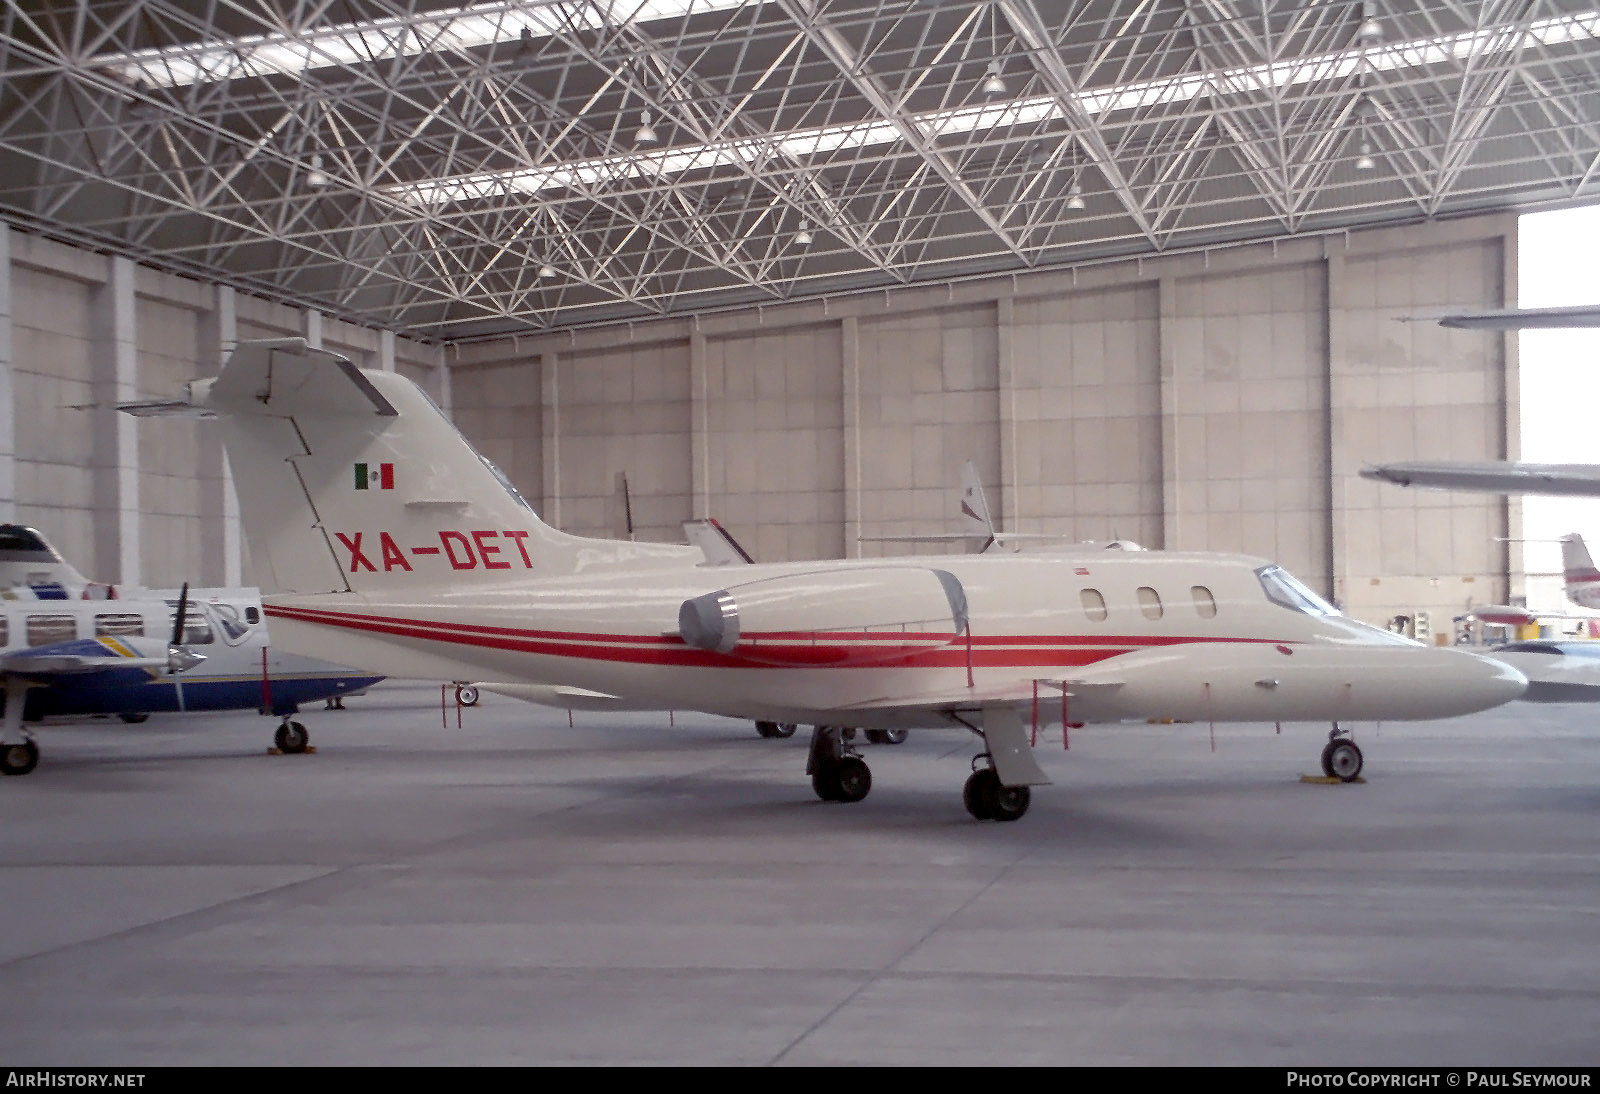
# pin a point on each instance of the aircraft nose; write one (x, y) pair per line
(1481, 682)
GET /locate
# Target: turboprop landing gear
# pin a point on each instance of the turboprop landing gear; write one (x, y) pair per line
(291, 737)
(837, 773)
(886, 736)
(17, 756)
(20, 758)
(1341, 757)
(776, 729)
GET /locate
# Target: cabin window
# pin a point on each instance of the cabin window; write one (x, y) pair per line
(119, 624)
(1094, 605)
(196, 628)
(45, 629)
(1149, 602)
(1204, 602)
(1283, 589)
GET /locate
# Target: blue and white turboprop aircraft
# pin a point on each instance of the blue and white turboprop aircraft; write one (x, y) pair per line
(69, 646)
(380, 536)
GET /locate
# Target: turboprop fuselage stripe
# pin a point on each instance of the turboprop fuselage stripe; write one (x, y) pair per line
(1000, 652)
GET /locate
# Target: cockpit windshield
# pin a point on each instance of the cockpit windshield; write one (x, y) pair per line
(1284, 589)
(233, 628)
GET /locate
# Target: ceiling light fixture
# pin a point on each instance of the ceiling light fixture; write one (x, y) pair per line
(547, 271)
(1365, 162)
(802, 238)
(1370, 29)
(1075, 198)
(317, 178)
(993, 83)
(646, 133)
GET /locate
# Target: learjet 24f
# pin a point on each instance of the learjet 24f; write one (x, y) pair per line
(381, 538)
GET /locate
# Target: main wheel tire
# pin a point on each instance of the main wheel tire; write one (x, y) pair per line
(784, 729)
(976, 795)
(853, 778)
(467, 695)
(18, 759)
(291, 738)
(894, 737)
(1009, 803)
(877, 737)
(134, 719)
(1342, 760)
(825, 782)
(767, 729)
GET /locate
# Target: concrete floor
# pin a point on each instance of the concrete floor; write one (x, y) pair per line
(629, 893)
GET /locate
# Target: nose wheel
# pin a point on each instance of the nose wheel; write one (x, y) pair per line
(291, 737)
(1341, 759)
(776, 729)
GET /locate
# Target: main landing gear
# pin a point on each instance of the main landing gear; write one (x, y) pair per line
(1341, 757)
(874, 736)
(18, 754)
(987, 799)
(291, 737)
(838, 773)
(19, 758)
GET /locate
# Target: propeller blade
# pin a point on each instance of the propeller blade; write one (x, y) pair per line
(178, 621)
(181, 658)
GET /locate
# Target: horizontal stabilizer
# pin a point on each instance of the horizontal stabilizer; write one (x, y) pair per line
(287, 378)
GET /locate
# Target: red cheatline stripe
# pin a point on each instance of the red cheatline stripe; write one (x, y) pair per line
(1017, 651)
(1117, 641)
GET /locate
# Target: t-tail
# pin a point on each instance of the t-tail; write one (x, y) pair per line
(354, 481)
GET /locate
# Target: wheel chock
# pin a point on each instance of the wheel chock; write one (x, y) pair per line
(1328, 780)
(274, 750)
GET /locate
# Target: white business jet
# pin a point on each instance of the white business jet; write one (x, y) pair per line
(381, 537)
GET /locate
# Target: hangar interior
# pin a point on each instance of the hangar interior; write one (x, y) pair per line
(1157, 269)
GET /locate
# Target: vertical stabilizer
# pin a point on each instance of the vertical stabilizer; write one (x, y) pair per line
(354, 481)
(1578, 572)
(976, 521)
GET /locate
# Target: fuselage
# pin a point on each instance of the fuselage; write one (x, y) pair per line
(240, 671)
(1095, 635)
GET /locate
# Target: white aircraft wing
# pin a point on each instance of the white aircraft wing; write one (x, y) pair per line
(1581, 315)
(1575, 480)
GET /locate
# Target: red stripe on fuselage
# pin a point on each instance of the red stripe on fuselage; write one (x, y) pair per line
(990, 652)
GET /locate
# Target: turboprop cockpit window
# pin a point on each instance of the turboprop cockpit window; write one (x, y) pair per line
(1284, 589)
(233, 628)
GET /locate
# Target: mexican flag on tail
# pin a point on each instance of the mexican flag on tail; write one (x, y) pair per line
(374, 476)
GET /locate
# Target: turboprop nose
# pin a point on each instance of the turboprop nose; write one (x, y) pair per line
(1477, 683)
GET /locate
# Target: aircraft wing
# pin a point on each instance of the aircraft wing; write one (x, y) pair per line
(1581, 315)
(79, 657)
(1573, 480)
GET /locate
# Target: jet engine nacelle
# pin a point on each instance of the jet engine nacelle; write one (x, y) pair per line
(830, 617)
